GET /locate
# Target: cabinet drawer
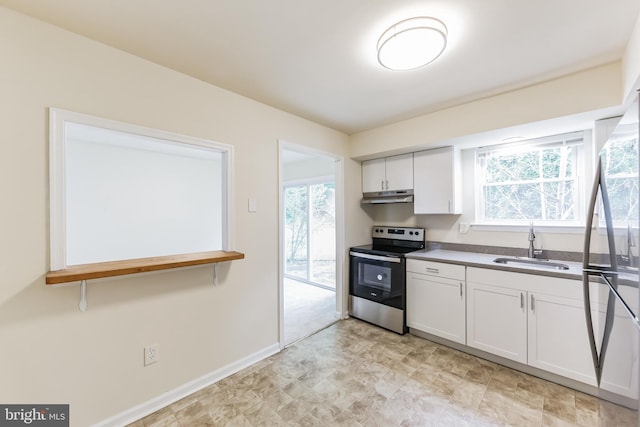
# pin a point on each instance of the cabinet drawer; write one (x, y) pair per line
(438, 269)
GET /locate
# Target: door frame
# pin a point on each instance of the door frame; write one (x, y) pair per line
(341, 301)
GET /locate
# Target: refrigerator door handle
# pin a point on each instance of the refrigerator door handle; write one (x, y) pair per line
(590, 332)
(588, 270)
(613, 288)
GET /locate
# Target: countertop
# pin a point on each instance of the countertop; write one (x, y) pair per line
(482, 260)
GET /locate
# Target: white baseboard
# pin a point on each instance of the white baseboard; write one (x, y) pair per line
(133, 414)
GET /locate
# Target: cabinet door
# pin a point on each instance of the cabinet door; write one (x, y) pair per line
(373, 175)
(399, 172)
(497, 321)
(436, 305)
(558, 340)
(435, 182)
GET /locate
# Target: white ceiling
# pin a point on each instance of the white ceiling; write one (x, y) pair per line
(317, 59)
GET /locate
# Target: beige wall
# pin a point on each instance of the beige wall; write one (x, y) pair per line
(631, 64)
(51, 352)
(594, 89)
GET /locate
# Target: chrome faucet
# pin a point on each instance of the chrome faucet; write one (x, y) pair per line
(531, 238)
(629, 258)
(533, 252)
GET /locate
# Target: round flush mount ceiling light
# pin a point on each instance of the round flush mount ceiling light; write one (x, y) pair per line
(412, 43)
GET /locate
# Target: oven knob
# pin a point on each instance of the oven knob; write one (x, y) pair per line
(379, 276)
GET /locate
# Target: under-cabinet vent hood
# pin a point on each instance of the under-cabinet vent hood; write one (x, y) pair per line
(396, 196)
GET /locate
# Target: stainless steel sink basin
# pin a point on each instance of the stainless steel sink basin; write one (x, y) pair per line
(531, 262)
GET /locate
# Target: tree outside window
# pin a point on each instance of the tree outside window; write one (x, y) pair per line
(529, 181)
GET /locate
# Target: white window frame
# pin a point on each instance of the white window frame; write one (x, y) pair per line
(57, 174)
(580, 138)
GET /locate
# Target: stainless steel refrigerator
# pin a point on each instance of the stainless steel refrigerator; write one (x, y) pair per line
(610, 265)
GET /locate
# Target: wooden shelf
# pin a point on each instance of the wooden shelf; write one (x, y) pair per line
(98, 270)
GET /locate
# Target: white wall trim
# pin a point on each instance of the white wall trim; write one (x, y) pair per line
(137, 412)
(341, 282)
(58, 168)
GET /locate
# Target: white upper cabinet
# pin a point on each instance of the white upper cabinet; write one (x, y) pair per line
(437, 181)
(388, 174)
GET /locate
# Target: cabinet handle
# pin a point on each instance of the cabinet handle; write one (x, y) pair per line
(521, 300)
(382, 185)
(460, 289)
(533, 303)
(432, 270)
(387, 184)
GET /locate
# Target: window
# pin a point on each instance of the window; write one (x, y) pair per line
(310, 232)
(619, 159)
(120, 191)
(535, 180)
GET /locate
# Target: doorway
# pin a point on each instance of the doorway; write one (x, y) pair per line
(310, 217)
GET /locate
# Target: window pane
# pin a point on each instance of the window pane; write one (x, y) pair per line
(620, 168)
(559, 201)
(512, 167)
(323, 235)
(512, 202)
(296, 227)
(528, 182)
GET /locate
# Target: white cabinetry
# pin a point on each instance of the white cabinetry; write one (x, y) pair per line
(436, 299)
(497, 320)
(557, 332)
(531, 319)
(437, 181)
(388, 174)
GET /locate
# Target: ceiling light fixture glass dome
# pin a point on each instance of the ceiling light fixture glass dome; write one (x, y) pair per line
(412, 43)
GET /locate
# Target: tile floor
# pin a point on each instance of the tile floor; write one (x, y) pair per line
(308, 309)
(355, 374)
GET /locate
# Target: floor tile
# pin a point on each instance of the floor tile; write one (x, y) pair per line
(357, 375)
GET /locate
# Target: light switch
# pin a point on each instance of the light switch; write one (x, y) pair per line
(464, 228)
(253, 205)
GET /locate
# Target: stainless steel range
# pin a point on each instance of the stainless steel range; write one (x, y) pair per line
(377, 285)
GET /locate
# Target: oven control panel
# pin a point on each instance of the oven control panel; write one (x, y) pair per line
(398, 233)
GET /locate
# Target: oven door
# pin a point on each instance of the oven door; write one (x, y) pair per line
(378, 278)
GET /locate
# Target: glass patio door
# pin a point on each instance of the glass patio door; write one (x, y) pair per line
(310, 233)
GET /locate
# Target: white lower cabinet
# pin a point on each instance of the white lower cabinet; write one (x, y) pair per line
(531, 319)
(497, 320)
(436, 299)
(557, 336)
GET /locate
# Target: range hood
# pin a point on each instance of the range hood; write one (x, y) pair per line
(380, 197)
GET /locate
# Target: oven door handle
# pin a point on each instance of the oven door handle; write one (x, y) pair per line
(375, 257)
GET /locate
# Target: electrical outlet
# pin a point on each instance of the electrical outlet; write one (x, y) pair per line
(151, 354)
(464, 228)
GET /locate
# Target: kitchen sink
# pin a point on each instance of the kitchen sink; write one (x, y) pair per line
(531, 262)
